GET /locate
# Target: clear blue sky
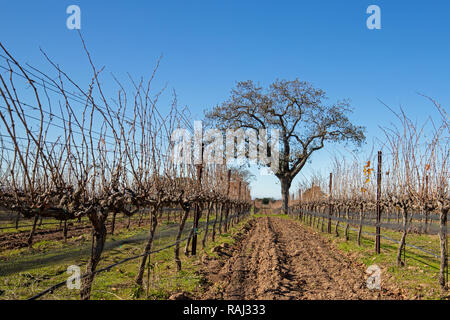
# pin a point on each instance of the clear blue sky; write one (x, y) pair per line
(209, 45)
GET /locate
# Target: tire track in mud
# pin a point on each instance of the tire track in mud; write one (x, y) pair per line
(279, 259)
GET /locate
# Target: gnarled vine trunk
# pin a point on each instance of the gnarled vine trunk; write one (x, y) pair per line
(98, 243)
(347, 209)
(213, 234)
(33, 230)
(113, 224)
(443, 245)
(205, 236)
(403, 239)
(177, 241)
(361, 209)
(336, 227)
(148, 247)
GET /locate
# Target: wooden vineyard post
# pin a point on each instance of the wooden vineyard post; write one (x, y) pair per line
(196, 213)
(227, 210)
(426, 197)
(239, 198)
(17, 220)
(300, 215)
(443, 239)
(378, 228)
(65, 231)
(330, 205)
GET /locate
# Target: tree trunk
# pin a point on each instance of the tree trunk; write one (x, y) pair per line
(129, 222)
(285, 186)
(319, 218)
(197, 216)
(65, 231)
(336, 227)
(191, 233)
(148, 247)
(140, 219)
(443, 242)
(322, 220)
(310, 218)
(188, 241)
(403, 240)
(205, 236)
(98, 242)
(232, 219)
(234, 214)
(227, 213)
(177, 241)
(213, 235)
(33, 229)
(360, 225)
(347, 224)
(330, 212)
(113, 224)
(17, 220)
(222, 209)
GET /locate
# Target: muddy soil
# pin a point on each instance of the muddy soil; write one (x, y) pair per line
(277, 259)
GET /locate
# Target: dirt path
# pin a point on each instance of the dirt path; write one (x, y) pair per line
(280, 259)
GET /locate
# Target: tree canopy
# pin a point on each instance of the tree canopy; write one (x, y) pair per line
(299, 110)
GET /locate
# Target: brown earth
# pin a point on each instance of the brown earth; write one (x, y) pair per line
(278, 259)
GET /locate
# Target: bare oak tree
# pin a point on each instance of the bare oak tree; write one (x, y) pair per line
(299, 111)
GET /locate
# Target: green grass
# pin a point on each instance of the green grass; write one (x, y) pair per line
(117, 283)
(56, 247)
(114, 284)
(420, 274)
(27, 225)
